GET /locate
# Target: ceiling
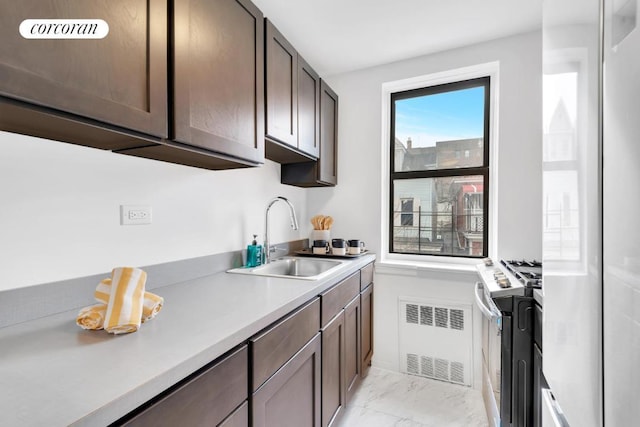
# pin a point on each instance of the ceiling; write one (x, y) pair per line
(337, 36)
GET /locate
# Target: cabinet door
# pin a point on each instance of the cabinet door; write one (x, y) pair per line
(366, 322)
(352, 346)
(120, 79)
(219, 76)
(328, 161)
(308, 109)
(282, 88)
(333, 370)
(291, 397)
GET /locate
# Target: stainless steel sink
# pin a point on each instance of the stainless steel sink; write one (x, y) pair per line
(293, 267)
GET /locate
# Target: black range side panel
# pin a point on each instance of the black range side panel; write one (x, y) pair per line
(522, 361)
(505, 305)
(506, 371)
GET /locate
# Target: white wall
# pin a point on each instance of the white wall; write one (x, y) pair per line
(59, 216)
(356, 204)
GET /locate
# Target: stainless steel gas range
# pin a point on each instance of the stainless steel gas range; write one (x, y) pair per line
(505, 297)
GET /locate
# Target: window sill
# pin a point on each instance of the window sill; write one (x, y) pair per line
(413, 268)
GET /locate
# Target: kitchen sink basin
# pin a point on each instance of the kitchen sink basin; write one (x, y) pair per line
(293, 267)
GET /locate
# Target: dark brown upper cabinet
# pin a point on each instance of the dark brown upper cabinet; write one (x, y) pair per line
(308, 109)
(219, 77)
(324, 171)
(282, 87)
(292, 96)
(116, 93)
(328, 161)
(102, 93)
(218, 92)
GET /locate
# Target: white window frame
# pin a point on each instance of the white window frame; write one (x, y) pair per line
(490, 69)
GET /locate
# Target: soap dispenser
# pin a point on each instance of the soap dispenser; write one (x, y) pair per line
(254, 253)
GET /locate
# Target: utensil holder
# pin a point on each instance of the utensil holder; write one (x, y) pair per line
(320, 235)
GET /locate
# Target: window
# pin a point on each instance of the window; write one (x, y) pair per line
(406, 217)
(439, 170)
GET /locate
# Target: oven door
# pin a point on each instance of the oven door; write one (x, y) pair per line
(491, 354)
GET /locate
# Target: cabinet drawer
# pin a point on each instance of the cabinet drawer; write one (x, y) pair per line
(366, 276)
(206, 399)
(272, 348)
(337, 298)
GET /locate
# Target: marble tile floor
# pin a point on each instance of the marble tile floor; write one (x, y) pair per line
(392, 399)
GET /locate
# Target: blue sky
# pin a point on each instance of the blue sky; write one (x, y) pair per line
(441, 117)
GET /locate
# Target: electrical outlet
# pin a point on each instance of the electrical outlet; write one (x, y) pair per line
(135, 215)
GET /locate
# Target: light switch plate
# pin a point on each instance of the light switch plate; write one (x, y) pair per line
(135, 215)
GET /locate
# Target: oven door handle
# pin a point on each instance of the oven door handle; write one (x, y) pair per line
(490, 312)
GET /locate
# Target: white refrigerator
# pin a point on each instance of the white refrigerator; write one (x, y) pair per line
(591, 212)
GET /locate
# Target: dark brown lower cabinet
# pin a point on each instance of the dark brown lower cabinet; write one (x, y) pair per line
(291, 397)
(272, 348)
(240, 418)
(333, 370)
(352, 346)
(301, 371)
(366, 318)
(215, 396)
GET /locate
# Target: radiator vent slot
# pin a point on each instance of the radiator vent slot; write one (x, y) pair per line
(426, 315)
(435, 339)
(457, 372)
(442, 369)
(412, 314)
(442, 317)
(412, 364)
(457, 319)
(426, 366)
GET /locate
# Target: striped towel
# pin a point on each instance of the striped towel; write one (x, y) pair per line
(151, 306)
(124, 310)
(92, 317)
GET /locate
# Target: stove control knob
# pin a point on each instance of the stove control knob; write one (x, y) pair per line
(504, 283)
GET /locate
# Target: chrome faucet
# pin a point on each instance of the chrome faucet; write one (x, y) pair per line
(294, 224)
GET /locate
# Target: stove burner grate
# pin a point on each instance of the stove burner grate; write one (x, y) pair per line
(527, 272)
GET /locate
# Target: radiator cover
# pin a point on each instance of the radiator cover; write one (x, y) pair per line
(436, 340)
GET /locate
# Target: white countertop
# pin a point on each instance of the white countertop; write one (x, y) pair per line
(54, 373)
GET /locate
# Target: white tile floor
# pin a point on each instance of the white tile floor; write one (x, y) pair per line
(386, 399)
